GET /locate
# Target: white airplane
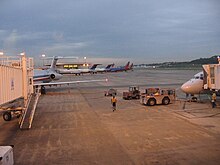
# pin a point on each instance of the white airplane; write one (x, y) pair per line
(106, 69)
(44, 78)
(79, 71)
(194, 85)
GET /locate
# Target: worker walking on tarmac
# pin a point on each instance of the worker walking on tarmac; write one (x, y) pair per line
(113, 102)
(213, 100)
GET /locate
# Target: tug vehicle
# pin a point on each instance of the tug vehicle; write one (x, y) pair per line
(153, 96)
(111, 92)
(132, 93)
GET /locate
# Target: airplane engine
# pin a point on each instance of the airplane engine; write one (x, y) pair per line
(52, 76)
(55, 76)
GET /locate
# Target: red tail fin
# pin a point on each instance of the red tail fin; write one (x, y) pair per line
(127, 65)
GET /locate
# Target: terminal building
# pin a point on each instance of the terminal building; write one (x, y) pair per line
(71, 65)
(74, 65)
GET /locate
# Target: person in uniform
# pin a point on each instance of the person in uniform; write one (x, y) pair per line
(113, 101)
(213, 100)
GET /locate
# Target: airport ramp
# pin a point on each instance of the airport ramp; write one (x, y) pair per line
(29, 111)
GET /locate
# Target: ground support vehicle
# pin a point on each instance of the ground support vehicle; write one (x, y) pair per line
(133, 93)
(111, 92)
(12, 109)
(153, 96)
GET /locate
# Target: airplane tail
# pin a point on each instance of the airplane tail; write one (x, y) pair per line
(109, 66)
(127, 65)
(94, 66)
(55, 58)
(53, 63)
(131, 66)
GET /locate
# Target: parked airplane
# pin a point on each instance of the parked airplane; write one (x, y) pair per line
(43, 78)
(194, 85)
(120, 69)
(79, 71)
(106, 69)
(69, 71)
(92, 69)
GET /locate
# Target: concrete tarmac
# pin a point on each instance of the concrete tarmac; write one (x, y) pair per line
(76, 125)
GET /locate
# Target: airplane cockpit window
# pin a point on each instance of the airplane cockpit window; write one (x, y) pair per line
(199, 77)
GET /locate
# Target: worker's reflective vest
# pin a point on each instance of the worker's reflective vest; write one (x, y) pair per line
(214, 97)
(114, 100)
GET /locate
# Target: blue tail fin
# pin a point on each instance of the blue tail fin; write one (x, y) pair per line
(94, 66)
(108, 66)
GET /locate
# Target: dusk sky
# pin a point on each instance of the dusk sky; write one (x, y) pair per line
(142, 31)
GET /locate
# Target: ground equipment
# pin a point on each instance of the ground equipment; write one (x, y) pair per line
(133, 93)
(111, 92)
(153, 96)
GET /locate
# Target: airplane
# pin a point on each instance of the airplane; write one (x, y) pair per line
(78, 71)
(194, 85)
(69, 71)
(91, 70)
(120, 69)
(44, 78)
(106, 69)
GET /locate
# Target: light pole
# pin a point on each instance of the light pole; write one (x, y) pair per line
(85, 61)
(43, 56)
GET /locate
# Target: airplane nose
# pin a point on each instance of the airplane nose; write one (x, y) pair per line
(185, 88)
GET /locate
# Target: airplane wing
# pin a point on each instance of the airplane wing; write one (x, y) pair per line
(68, 82)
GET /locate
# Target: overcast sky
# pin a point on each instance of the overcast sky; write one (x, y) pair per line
(143, 31)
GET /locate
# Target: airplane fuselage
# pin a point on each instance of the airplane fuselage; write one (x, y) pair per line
(45, 75)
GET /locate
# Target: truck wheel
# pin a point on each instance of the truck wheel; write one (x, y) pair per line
(7, 116)
(137, 97)
(151, 102)
(166, 101)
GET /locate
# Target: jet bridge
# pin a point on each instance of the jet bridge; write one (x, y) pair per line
(212, 76)
(16, 86)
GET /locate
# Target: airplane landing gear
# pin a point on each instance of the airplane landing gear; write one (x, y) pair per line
(194, 99)
(43, 90)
